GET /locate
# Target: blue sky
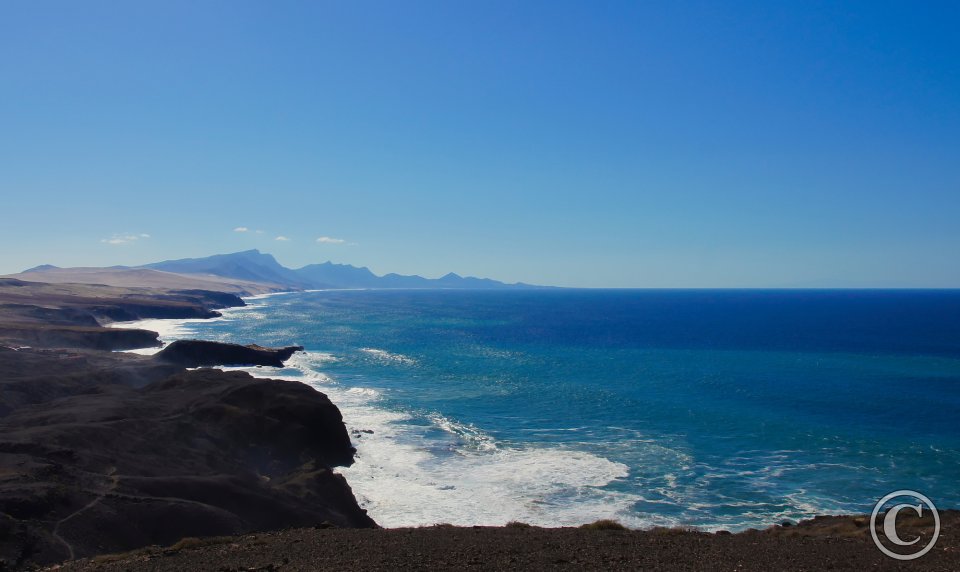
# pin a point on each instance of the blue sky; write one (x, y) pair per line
(633, 144)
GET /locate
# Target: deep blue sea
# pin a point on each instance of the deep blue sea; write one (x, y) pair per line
(714, 409)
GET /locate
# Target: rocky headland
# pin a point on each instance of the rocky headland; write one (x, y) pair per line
(103, 451)
(200, 353)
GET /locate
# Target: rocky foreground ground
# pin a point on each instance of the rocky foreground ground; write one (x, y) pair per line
(827, 543)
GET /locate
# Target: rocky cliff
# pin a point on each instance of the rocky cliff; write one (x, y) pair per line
(201, 353)
(105, 452)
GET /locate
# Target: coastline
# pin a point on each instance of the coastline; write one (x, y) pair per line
(103, 449)
(842, 541)
(389, 446)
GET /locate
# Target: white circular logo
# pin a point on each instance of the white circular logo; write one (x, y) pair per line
(890, 523)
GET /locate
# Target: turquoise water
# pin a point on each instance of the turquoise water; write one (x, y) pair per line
(715, 409)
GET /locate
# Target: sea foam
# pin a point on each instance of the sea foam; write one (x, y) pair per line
(653, 457)
(384, 355)
(404, 477)
(169, 330)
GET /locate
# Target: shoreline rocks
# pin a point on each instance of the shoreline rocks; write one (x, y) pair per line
(105, 452)
(202, 353)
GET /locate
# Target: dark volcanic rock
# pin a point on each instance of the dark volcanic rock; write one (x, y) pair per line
(102, 451)
(200, 353)
(58, 336)
(128, 311)
(212, 299)
(291, 420)
(198, 454)
(32, 376)
(61, 316)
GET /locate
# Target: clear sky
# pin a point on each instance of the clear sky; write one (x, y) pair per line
(667, 144)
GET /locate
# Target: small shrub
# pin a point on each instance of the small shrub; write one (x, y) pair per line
(604, 524)
(517, 524)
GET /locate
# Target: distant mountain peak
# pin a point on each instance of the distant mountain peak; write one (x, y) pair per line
(250, 265)
(42, 268)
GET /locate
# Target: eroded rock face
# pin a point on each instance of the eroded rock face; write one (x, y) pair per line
(105, 452)
(201, 353)
(200, 453)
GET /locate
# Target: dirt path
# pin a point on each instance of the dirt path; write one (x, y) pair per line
(114, 481)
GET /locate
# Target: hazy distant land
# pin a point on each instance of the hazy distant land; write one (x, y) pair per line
(248, 273)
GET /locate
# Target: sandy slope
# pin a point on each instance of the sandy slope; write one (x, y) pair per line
(146, 278)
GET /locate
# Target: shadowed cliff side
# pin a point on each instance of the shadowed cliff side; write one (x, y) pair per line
(201, 453)
(104, 452)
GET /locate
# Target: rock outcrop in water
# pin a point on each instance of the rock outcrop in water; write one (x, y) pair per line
(201, 353)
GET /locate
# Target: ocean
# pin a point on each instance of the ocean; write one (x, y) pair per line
(720, 409)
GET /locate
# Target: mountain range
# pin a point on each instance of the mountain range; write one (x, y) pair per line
(252, 271)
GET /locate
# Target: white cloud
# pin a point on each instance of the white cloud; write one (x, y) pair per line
(259, 232)
(282, 238)
(330, 240)
(241, 229)
(124, 238)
